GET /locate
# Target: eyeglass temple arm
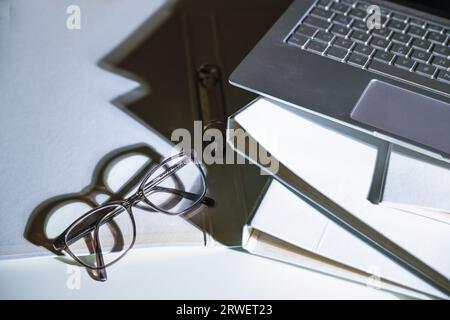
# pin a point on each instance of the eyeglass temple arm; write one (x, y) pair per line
(95, 248)
(188, 195)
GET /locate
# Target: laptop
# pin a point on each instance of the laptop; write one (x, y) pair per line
(379, 66)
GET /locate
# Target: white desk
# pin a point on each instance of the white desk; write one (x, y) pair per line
(179, 273)
(49, 69)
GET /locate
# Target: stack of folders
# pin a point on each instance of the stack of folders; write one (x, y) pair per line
(399, 193)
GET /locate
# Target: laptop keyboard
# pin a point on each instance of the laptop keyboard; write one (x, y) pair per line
(405, 47)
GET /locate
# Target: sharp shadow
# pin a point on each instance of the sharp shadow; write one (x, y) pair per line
(158, 57)
(163, 54)
(35, 231)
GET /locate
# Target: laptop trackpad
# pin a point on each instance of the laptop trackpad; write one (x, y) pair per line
(406, 114)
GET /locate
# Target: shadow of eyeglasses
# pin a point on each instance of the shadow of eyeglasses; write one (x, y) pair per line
(35, 231)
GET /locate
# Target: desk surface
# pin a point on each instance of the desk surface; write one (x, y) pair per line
(178, 273)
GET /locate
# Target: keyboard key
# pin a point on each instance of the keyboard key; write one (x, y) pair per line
(363, 49)
(401, 38)
(444, 76)
(337, 53)
(398, 16)
(363, 6)
(340, 8)
(404, 48)
(359, 36)
(316, 46)
(358, 14)
(349, 2)
(316, 22)
(399, 49)
(305, 30)
(436, 37)
(397, 25)
(385, 12)
(357, 59)
(383, 20)
(434, 27)
(382, 33)
(421, 44)
(323, 36)
(297, 40)
(416, 31)
(343, 43)
(359, 25)
(425, 69)
(340, 30)
(395, 72)
(379, 43)
(383, 56)
(441, 50)
(417, 22)
(321, 13)
(404, 63)
(441, 62)
(325, 3)
(420, 55)
(342, 20)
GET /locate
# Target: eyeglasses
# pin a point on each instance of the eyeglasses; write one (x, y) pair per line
(103, 235)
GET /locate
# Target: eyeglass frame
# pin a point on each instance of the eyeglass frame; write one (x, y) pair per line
(60, 243)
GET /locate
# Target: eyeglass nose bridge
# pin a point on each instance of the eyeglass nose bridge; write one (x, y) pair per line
(135, 198)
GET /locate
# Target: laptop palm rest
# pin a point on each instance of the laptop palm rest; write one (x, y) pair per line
(405, 113)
